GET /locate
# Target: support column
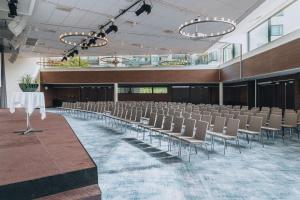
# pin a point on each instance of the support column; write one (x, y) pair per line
(255, 93)
(116, 88)
(3, 94)
(220, 93)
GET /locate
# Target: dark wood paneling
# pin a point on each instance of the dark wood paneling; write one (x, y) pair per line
(231, 72)
(278, 59)
(131, 76)
(281, 58)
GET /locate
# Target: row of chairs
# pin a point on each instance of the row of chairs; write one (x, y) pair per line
(168, 122)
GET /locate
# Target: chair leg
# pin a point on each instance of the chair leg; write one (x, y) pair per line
(224, 145)
(190, 149)
(207, 151)
(238, 143)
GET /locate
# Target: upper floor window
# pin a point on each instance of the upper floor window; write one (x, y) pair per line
(282, 23)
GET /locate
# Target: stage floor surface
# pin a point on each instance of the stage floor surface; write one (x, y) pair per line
(54, 151)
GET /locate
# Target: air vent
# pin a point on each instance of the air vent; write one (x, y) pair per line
(168, 31)
(31, 41)
(136, 45)
(163, 49)
(130, 23)
(64, 8)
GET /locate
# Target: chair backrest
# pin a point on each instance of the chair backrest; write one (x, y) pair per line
(152, 119)
(168, 122)
(189, 127)
(138, 115)
(148, 112)
(171, 111)
(128, 114)
(275, 121)
(214, 115)
(206, 112)
(264, 115)
(290, 119)
(177, 114)
(123, 116)
(255, 124)
(223, 112)
(228, 116)
(133, 114)
(195, 116)
(206, 118)
(201, 128)
(219, 124)
(178, 122)
(243, 121)
(186, 115)
(235, 114)
(232, 127)
(159, 121)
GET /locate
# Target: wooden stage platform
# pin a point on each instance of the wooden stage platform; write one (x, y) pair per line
(45, 164)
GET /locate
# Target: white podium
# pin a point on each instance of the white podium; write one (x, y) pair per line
(29, 101)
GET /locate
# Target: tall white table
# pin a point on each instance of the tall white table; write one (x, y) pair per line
(29, 101)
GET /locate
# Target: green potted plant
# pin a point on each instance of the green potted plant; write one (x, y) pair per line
(28, 83)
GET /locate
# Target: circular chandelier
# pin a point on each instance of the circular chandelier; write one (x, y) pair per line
(115, 60)
(230, 26)
(50, 63)
(98, 41)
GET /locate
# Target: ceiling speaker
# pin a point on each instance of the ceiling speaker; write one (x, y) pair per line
(17, 25)
(13, 56)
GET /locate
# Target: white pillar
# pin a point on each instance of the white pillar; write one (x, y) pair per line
(116, 98)
(255, 93)
(221, 93)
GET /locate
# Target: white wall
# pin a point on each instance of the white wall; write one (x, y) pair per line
(15, 70)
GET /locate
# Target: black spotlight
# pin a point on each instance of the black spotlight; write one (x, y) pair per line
(12, 5)
(75, 51)
(92, 41)
(64, 59)
(71, 54)
(144, 8)
(101, 34)
(111, 28)
(84, 46)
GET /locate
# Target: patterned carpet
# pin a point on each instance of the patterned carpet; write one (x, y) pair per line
(132, 169)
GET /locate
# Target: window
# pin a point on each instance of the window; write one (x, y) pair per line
(141, 90)
(276, 30)
(259, 36)
(160, 90)
(124, 90)
(228, 53)
(231, 51)
(282, 23)
(213, 57)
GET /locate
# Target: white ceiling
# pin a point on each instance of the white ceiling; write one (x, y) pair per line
(50, 18)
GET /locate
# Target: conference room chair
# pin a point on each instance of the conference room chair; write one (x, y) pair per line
(187, 133)
(254, 129)
(218, 128)
(206, 118)
(176, 130)
(274, 125)
(199, 138)
(290, 123)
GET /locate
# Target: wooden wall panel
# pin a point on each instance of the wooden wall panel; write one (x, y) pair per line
(231, 72)
(277, 59)
(132, 76)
